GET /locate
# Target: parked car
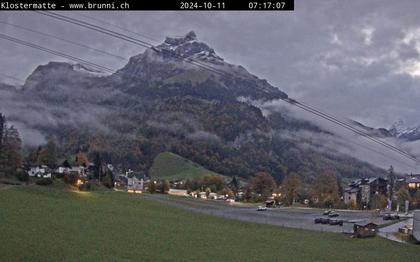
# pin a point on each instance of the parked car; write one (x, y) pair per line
(391, 216)
(317, 220)
(325, 221)
(333, 214)
(334, 222)
(261, 208)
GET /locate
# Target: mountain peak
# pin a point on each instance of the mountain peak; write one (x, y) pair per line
(188, 46)
(190, 36)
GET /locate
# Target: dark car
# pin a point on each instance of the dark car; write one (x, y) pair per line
(334, 222)
(391, 217)
(318, 220)
(325, 221)
(333, 214)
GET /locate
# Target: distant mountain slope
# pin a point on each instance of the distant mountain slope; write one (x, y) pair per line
(167, 165)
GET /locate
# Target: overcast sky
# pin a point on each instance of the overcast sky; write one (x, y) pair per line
(357, 59)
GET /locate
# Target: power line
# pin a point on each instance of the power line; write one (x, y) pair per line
(352, 128)
(57, 53)
(338, 122)
(63, 40)
(95, 28)
(102, 21)
(128, 39)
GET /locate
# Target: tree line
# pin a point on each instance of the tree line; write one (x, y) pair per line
(10, 149)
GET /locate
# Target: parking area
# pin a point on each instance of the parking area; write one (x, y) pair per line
(302, 218)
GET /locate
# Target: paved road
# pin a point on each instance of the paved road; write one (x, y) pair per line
(390, 231)
(288, 217)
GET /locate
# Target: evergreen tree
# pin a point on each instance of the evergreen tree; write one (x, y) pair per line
(391, 179)
(234, 184)
(51, 153)
(98, 171)
(2, 130)
(11, 151)
(2, 151)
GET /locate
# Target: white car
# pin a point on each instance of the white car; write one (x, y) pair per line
(261, 208)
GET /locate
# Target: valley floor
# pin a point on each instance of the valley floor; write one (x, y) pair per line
(45, 224)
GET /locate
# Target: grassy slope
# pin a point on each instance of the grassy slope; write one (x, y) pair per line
(171, 166)
(44, 225)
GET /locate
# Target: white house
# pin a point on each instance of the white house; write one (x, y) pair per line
(134, 184)
(39, 171)
(79, 170)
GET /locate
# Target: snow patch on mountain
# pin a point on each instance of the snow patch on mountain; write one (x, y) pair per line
(400, 130)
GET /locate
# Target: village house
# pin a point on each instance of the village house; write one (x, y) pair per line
(134, 184)
(66, 168)
(41, 171)
(360, 191)
(412, 182)
(132, 181)
(367, 229)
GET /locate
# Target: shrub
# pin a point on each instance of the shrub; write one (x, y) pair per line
(44, 181)
(152, 187)
(22, 176)
(108, 181)
(85, 187)
(58, 175)
(70, 179)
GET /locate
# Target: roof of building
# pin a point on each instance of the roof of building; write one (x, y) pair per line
(412, 178)
(352, 189)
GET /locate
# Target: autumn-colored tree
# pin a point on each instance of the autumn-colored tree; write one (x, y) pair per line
(290, 186)
(226, 192)
(416, 200)
(247, 196)
(378, 201)
(263, 183)
(403, 195)
(152, 187)
(82, 159)
(163, 186)
(326, 188)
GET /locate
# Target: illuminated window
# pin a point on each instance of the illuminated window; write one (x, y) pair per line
(412, 185)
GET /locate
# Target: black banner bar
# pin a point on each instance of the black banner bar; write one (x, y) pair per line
(151, 5)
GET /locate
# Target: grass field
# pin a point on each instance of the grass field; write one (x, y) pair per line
(171, 166)
(41, 224)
